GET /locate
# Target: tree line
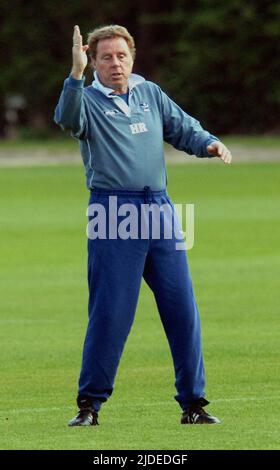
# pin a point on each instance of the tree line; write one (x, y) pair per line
(219, 60)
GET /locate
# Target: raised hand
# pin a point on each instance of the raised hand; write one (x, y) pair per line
(80, 59)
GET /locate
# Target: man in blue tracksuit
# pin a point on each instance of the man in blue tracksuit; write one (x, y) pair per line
(122, 121)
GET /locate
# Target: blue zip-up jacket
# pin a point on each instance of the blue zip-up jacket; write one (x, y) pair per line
(122, 145)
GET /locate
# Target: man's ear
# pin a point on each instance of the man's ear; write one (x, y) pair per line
(92, 63)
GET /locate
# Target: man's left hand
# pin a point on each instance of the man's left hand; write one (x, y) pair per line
(218, 149)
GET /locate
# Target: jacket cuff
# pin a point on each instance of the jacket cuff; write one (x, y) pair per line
(74, 83)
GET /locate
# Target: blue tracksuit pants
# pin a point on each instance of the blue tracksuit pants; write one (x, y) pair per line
(115, 269)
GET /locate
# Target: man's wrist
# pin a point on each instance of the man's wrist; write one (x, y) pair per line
(77, 74)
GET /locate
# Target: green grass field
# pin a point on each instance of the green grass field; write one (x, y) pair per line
(43, 292)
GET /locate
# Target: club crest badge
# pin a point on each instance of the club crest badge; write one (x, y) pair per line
(145, 107)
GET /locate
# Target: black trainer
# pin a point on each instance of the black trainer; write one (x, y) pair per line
(195, 414)
(86, 416)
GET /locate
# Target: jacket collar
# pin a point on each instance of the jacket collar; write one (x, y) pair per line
(133, 81)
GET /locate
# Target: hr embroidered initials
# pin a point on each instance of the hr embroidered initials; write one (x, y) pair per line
(138, 127)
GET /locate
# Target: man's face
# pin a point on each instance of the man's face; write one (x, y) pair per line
(113, 63)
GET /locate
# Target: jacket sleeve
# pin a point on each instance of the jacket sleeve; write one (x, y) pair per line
(70, 110)
(183, 131)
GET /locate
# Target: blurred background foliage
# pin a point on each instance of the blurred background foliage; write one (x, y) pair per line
(220, 60)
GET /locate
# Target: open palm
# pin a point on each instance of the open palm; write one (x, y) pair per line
(80, 59)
